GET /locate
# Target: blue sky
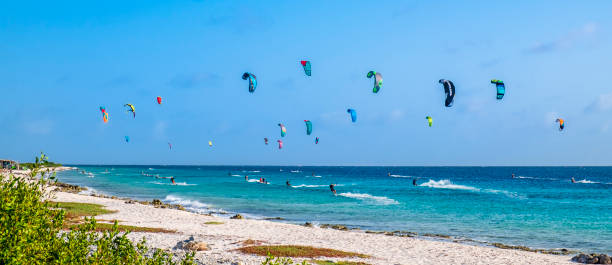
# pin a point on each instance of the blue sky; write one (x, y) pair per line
(61, 60)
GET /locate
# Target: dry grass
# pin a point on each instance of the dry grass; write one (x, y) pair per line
(213, 223)
(251, 242)
(298, 252)
(103, 227)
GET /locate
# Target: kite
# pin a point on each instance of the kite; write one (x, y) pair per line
(561, 124)
(252, 81)
(283, 130)
(266, 141)
(131, 109)
(280, 144)
(429, 120)
(159, 100)
(210, 143)
(501, 88)
(317, 140)
(353, 114)
(449, 89)
(170, 146)
(127, 139)
(308, 127)
(378, 80)
(104, 114)
(306, 65)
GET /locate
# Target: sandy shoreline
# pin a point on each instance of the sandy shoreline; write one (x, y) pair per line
(223, 239)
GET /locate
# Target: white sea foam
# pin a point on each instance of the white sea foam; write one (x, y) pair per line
(90, 175)
(369, 198)
(151, 168)
(586, 181)
(253, 180)
(295, 171)
(235, 175)
(89, 191)
(446, 184)
(170, 183)
(193, 205)
(400, 176)
(315, 186)
(309, 186)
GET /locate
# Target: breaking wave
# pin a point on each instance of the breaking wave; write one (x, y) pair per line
(369, 198)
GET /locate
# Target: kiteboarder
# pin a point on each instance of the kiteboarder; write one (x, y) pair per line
(172, 179)
(414, 182)
(331, 187)
(573, 180)
(513, 175)
(288, 184)
(246, 177)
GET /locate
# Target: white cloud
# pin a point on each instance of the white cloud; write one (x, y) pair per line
(566, 41)
(38, 127)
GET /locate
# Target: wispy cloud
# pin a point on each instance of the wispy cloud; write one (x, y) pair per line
(121, 80)
(38, 127)
(187, 81)
(159, 130)
(566, 41)
(602, 103)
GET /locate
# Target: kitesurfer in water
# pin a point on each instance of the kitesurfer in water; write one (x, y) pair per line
(331, 187)
(288, 184)
(414, 182)
(513, 175)
(246, 177)
(573, 180)
(172, 179)
(389, 174)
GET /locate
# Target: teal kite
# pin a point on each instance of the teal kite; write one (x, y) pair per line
(308, 127)
(501, 88)
(252, 81)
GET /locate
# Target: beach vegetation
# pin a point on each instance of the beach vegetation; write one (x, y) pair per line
(271, 260)
(341, 262)
(75, 210)
(31, 230)
(298, 251)
(40, 162)
(213, 223)
(104, 227)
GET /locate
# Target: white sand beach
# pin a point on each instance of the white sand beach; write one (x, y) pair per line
(223, 239)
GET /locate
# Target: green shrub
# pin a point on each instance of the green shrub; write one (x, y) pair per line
(31, 231)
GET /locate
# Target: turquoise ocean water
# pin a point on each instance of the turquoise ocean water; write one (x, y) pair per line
(540, 208)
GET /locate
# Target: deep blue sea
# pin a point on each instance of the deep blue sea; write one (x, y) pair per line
(540, 208)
